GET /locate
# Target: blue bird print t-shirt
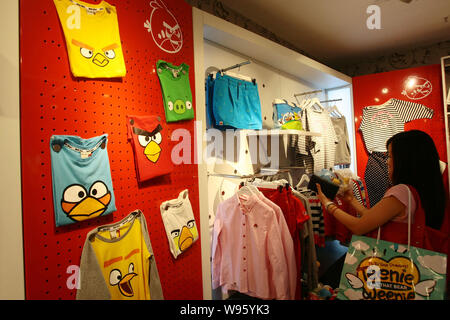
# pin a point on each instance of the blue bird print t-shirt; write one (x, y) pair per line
(81, 177)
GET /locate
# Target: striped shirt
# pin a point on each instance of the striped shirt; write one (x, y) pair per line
(379, 123)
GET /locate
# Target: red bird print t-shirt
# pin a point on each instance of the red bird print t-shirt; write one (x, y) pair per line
(150, 145)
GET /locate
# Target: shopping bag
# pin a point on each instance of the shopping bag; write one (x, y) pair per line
(375, 269)
(383, 270)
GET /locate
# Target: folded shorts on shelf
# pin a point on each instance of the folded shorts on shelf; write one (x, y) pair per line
(236, 103)
(81, 178)
(151, 147)
(179, 223)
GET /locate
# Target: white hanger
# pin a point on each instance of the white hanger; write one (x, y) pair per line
(382, 105)
(305, 103)
(315, 105)
(303, 183)
(238, 76)
(334, 111)
(245, 190)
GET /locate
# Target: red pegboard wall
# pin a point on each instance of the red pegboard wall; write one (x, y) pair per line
(54, 102)
(375, 89)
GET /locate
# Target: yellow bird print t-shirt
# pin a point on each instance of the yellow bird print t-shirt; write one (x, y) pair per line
(117, 263)
(92, 38)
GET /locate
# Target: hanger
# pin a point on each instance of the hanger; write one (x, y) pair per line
(382, 105)
(334, 111)
(315, 105)
(303, 183)
(238, 76)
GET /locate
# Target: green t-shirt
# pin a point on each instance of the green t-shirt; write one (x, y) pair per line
(176, 91)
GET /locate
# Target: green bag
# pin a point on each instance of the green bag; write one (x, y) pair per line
(176, 91)
(381, 270)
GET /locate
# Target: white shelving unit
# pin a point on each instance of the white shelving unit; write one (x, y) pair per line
(269, 132)
(271, 62)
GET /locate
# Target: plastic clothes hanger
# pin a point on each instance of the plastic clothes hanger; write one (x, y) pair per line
(315, 105)
(382, 105)
(303, 183)
(238, 76)
(334, 111)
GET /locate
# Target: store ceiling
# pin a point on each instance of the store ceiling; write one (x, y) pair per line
(335, 32)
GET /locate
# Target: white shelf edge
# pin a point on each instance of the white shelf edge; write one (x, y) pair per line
(268, 132)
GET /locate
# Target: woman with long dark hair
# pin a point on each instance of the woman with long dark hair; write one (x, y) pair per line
(413, 166)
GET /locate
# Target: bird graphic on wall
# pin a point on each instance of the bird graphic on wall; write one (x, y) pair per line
(79, 204)
(150, 141)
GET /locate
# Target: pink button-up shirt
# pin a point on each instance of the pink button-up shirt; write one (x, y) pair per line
(248, 251)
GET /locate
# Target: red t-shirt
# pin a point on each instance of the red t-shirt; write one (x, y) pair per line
(295, 215)
(151, 146)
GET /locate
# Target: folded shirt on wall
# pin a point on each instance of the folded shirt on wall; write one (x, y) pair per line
(81, 178)
(151, 147)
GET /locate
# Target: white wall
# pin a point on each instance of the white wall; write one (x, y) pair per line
(11, 246)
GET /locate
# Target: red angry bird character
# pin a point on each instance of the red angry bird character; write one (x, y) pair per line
(164, 27)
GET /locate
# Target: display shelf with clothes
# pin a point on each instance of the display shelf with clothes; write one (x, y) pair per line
(251, 237)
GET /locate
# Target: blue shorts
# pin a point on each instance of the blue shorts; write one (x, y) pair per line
(236, 103)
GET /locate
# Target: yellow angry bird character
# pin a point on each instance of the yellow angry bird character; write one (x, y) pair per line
(121, 270)
(92, 38)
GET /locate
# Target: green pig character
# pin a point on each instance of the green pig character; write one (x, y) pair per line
(179, 106)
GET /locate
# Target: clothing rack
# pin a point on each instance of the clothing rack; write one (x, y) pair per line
(250, 176)
(333, 100)
(308, 92)
(235, 66)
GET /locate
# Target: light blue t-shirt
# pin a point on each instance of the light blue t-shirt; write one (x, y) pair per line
(81, 177)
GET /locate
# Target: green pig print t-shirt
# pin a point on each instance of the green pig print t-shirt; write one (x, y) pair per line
(176, 91)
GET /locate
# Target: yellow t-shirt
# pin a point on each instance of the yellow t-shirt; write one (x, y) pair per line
(92, 38)
(124, 259)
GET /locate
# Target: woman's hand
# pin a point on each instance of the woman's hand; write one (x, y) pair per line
(323, 198)
(348, 196)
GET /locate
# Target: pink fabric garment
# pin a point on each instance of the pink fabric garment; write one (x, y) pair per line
(400, 192)
(288, 245)
(247, 252)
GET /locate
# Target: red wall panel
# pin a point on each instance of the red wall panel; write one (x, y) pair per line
(54, 102)
(375, 89)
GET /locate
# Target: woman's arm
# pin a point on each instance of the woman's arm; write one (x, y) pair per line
(382, 212)
(350, 199)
